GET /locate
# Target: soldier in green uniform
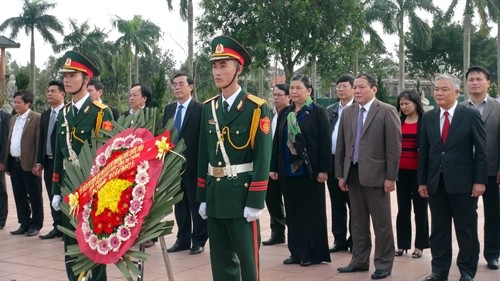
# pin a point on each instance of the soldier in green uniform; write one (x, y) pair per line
(233, 166)
(76, 123)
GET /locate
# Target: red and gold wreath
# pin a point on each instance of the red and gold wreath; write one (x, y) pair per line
(111, 205)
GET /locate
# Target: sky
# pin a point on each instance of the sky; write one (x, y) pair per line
(101, 12)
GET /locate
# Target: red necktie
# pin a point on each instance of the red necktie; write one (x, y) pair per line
(446, 127)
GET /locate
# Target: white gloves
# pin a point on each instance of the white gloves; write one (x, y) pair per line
(251, 214)
(56, 202)
(203, 210)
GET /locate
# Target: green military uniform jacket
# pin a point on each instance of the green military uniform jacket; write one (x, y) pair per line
(226, 198)
(80, 128)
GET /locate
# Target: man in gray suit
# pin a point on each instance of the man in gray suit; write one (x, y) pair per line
(478, 82)
(366, 165)
(338, 198)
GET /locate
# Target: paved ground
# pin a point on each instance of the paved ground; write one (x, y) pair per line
(30, 258)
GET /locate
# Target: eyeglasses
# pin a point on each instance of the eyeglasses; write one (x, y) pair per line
(341, 87)
(180, 84)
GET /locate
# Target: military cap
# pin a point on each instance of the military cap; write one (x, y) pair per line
(226, 48)
(74, 61)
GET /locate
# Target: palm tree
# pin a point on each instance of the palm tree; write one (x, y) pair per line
(392, 13)
(483, 8)
(34, 17)
(89, 42)
(186, 12)
(138, 34)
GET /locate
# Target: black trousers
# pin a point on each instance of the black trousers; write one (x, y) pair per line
(48, 167)
(305, 206)
(461, 208)
(192, 227)
(274, 203)
(27, 189)
(4, 200)
(491, 220)
(340, 203)
(407, 192)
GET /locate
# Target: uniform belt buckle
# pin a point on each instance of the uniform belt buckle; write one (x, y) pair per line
(218, 172)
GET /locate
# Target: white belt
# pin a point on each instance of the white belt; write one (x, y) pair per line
(220, 172)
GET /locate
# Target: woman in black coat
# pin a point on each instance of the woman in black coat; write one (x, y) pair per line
(301, 161)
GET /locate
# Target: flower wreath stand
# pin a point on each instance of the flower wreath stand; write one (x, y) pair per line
(126, 184)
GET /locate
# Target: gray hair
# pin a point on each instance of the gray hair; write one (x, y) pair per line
(455, 82)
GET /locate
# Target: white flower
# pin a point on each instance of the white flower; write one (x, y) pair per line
(100, 160)
(130, 220)
(142, 178)
(103, 246)
(108, 151)
(137, 141)
(123, 233)
(94, 170)
(118, 143)
(93, 241)
(143, 166)
(85, 223)
(87, 234)
(135, 206)
(139, 191)
(129, 140)
(114, 242)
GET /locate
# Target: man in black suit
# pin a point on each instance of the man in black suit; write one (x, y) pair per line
(46, 146)
(192, 228)
(139, 97)
(4, 130)
(478, 82)
(452, 173)
(96, 90)
(338, 198)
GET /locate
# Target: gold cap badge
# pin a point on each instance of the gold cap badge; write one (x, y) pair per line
(68, 62)
(219, 49)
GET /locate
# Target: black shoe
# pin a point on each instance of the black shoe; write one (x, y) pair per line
(380, 274)
(177, 248)
(339, 248)
(290, 261)
(435, 277)
(275, 239)
(32, 232)
(196, 250)
(19, 231)
(52, 234)
(493, 264)
(350, 268)
(465, 277)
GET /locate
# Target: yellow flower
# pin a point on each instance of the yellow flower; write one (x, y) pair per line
(109, 195)
(73, 203)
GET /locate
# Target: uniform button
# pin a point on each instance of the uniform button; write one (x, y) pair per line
(246, 184)
(209, 131)
(218, 179)
(442, 152)
(82, 132)
(220, 163)
(237, 132)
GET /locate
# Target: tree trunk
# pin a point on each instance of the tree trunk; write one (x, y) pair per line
(129, 74)
(136, 61)
(498, 54)
(190, 36)
(261, 82)
(313, 78)
(32, 59)
(355, 62)
(401, 57)
(467, 27)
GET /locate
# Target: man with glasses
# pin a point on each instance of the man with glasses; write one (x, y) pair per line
(338, 198)
(192, 231)
(274, 196)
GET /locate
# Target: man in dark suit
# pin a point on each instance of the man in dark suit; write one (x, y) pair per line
(96, 90)
(77, 121)
(46, 147)
(139, 97)
(4, 129)
(192, 228)
(478, 82)
(338, 198)
(366, 164)
(452, 173)
(20, 162)
(274, 195)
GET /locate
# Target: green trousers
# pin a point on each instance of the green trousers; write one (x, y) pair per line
(234, 249)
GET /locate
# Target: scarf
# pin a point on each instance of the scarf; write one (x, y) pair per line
(293, 131)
